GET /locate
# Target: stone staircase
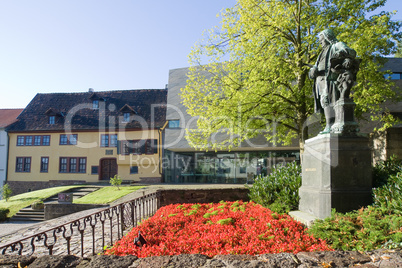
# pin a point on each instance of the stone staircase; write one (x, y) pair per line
(29, 214)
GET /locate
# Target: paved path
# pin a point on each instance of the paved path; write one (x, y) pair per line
(12, 231)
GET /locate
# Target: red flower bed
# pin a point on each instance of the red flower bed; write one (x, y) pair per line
(223, 228)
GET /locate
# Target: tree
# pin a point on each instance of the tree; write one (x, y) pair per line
(256, 80)
(116, 181)
(6, 192)
(398, 54)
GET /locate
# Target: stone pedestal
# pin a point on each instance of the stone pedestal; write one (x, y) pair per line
(345, 123)
(336, 174)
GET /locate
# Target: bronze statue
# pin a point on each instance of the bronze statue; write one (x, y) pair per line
(334, 74)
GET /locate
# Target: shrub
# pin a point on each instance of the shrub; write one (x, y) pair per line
(116, 181)
(377, 226)
(279, 191)
(3, 213)
(38, 205)
(6, 192)
(365, 229)
(384, 169)
(388, 197)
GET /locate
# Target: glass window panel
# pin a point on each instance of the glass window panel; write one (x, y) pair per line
(46, 140)
(27, 164)
(83, 165)
(63, 139)
(20, 140)
(73, 139)
(28, 140)
(174, 123)
(113, 140)
(37, 140)
(63, 164)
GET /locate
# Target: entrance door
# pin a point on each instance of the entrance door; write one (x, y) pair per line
(108, 168)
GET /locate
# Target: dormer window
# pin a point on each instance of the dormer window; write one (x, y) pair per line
(95, 104)
(126, 117)
(53, 116)
(127, 111)
(96, 99)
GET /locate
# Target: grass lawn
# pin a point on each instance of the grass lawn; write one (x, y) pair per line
(106, 195)
(17, 202)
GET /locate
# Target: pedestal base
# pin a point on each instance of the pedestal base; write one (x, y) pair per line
(345, 123)
(336, 174)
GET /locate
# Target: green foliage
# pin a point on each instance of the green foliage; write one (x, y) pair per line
(250, 76)
(389, 196)
(377, 226)
(3, 213)
(384, 169)
(279, 191)
(398, 54)
(365, 229)
(6, 192)
(116, 181)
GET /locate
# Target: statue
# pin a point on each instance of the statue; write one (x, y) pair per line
(334, 75)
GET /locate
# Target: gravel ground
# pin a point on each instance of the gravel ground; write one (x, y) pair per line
(9, 227)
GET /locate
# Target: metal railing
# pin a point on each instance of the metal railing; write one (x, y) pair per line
(87, 235)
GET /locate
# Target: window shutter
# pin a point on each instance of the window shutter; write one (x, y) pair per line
(118, 147)
(143, 143)
(155, 146)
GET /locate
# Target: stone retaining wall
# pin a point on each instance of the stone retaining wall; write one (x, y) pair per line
(378, 258)
(57, 210)
(172, 196)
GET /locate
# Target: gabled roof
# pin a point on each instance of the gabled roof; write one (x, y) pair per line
(127, 109)
(76, 111)
(8, 116)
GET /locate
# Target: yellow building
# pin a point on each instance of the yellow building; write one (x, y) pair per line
(74, 138)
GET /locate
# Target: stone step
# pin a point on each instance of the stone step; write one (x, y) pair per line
(36, 216)
(30, 211)
(27, 218)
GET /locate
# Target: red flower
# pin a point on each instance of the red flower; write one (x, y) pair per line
(223, 228)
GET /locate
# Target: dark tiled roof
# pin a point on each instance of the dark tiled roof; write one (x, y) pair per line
(77, 108)
(8, 116)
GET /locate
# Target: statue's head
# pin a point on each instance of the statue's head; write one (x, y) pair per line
(329, 36)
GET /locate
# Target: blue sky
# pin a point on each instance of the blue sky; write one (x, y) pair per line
(72, 45)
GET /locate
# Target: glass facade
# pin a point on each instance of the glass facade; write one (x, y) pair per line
(222, 167)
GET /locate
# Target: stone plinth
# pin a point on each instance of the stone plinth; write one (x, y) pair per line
(345, 123)
(336, 174)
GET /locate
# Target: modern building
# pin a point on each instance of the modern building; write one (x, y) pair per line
(7, 117)
(389, 142)
(74, 138)
(184, 164)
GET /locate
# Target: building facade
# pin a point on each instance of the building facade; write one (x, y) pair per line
(7, 117)
(75, 138)
(184, 164)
